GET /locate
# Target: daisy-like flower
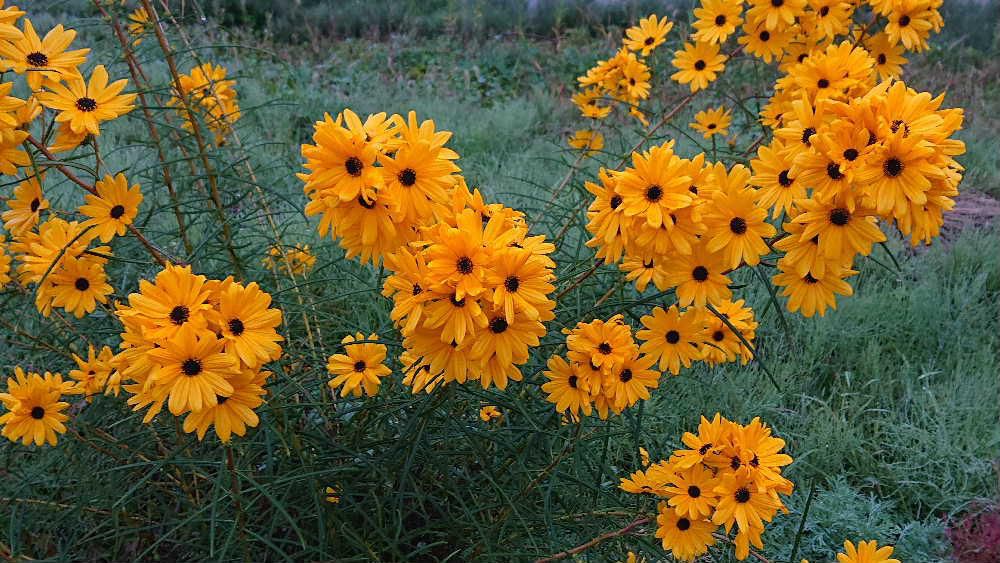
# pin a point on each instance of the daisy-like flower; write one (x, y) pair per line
(360, 369)
(35, 410)
(910, 23)
(840, 232)
(672, 337)
(712, 121)
(44, 60)
(248, 324)
(233, 413)
(813, 294)
(113, 208)
(648, 35)
(177, 298)
(699, 277)
(78, 285)
(766, 44)
(602, 345)
(655, 186)
(698, 64)
(92, 373)
(898, 173)
(717, 20)
(652, 481)
(736, 226)
(685, 538)
(588, 101)
(866, 552)
(889, 59)
(588, 141)
(193, 369)
(563, 388)
(26, 206)
(772, 174)
(138, 25)
(489, 413)
(776, 14)
(743, 504)
(85, 105)
(522, 284)
(4, 263)
(692, 492)
(416, 177)
(631, 382)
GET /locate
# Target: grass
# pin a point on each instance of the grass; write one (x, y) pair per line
(887, 404)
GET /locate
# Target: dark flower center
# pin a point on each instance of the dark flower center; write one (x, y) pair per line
(809, 279)
(742, 495)
(220, 399)
(571, 381)
(718, 336)
(720, 20)
(35, 204)
(654, 193)
(824, 11)
(354, 166)
(700, 65)
(626, 375)
(86, 104)
(498, 325)
(896, 124)
(765, 36)
(704, 448)
(82, 284)
(738, 225)
(851, 154)
(893, 167)
(806, 134)
(417, 290)
(694, 491)
(683, 524)
(191, 367)
(673, 337)
(699, 273)
(512, 283)
(904, 20)
(457, 302)
(37, 413)
(37, 59)
(117, 211)
(777, 3)
(464, 265)
(359, 366)
(693, 189)
(236, 327)
(823, 83)
(833, 171)
(616, 200)
(604, 348)
(711, 126)
(365, 203)
(882, 58)
(802, 57)
(649, 41)
(408, 177)
(783, 179)
(179, 315)
(735, 462)
(840, 216)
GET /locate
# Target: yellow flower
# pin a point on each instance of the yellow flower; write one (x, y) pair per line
(34, 408)
(92, 373)
(698, 64)
(247, 324)
(139, 24)
(713, 121)
(360, 368)
(648, 35)
(113, 208)
(193, 369)
(25, 207)
(685, 538)
(716, 20)
(866, 552)
(590, 142)
(86, 105)
(490, 412)
(672, 337)
(44, 60)
(332, 495)
(76, 285)
(232, 413)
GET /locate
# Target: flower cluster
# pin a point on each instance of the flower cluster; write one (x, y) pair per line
(198, 346)
(728, 475)
(209, 96)
(470, 287)
(604, 370)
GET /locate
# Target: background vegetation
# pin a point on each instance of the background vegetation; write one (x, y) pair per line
(889, 405)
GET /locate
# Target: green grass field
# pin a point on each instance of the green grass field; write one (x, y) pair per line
(889, 404)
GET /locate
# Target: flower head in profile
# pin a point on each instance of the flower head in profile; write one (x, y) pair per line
(588, 141)
(113, 208)
(360, 368)
(490, 412)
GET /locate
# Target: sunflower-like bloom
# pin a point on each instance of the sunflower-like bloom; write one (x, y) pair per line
(911, 23)
(360, 369)
(777, 189)
(655, 186)
(193, 369)
(684, 537)
(648, 35)
(588, 103)
(233, 413)
(699, 277)
(698, 64)
(177, 298)
(92, 373)
(76, 285)
(113, 208)
(489, 413)
(587, 141)
(248, 324)
(673, 337)
(763, 43)
(55, 242)
(866, 552)
(604, 345)
(563, 388)
(44, 60)
(35, 409)
(85, 105)
(840, 233)
(736, 227)
(206, 92)
(889, 59)
(26, 206)
(730, 331)
(717, 20)
(776, 14)
(713, 121)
